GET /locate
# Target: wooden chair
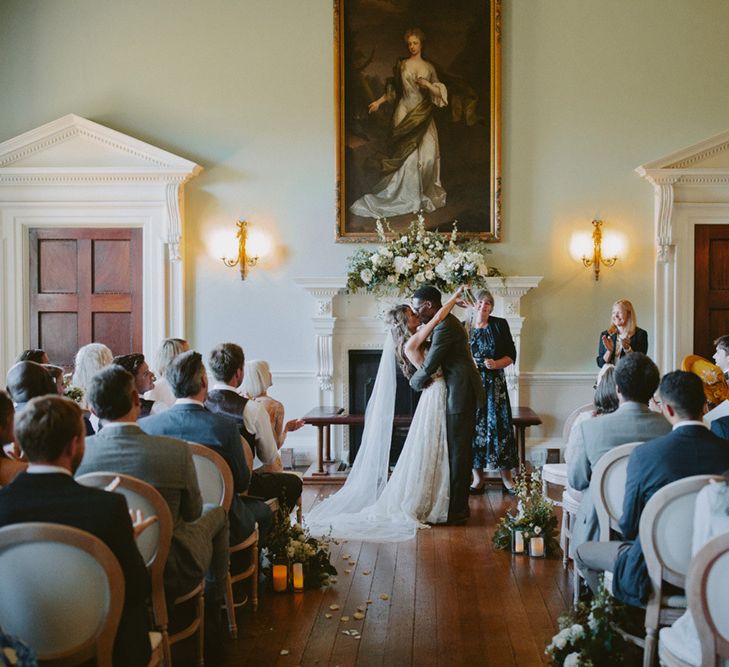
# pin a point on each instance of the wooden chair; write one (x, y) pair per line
(707, 589)
(66, 619)
(665, 530)
(216, 485)
(154, 543)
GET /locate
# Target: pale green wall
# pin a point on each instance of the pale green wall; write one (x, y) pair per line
(592, 88)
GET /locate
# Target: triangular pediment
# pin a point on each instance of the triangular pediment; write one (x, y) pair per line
(712, 153)
(73, 142)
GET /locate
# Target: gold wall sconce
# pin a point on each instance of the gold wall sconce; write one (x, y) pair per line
(598, 256)
(243, 260)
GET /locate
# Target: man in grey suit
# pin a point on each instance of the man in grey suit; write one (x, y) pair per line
(200, 533)
(636, 379)
(449, 351)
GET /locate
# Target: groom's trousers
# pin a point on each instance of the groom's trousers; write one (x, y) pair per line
(460, 428)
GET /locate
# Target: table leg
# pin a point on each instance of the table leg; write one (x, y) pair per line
(520, 432)
(328, 444)
(320, 431)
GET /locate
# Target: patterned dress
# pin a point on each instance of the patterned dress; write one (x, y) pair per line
(494, 446)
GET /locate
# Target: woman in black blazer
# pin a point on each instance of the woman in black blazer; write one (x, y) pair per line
(622, 336)
(493, 350)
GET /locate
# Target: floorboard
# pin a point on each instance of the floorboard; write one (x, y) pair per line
(452, 599)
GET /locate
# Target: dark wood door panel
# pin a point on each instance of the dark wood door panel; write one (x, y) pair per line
(86, 286)
(711, 286)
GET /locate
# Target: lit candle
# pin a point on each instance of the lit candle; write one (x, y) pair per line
(518, 542)
(280, 578)
(536, 547)
(298, 577)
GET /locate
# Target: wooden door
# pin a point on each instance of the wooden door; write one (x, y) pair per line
(85, 287)
(711, 286)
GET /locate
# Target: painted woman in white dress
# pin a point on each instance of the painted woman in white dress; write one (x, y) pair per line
(369, 507)
(410, 175)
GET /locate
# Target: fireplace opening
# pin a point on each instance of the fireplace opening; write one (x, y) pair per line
(363, 366)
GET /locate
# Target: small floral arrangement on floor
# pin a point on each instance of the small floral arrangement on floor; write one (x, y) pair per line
(534, 516)
(70, 390)
(289, 543)
(587, 637)
(418, 257)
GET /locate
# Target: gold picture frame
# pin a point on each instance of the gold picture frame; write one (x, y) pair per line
(450, 173)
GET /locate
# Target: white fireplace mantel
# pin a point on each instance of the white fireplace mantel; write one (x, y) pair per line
(690, 187)
(344, 322)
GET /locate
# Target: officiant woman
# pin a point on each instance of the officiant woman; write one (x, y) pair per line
(493, 350)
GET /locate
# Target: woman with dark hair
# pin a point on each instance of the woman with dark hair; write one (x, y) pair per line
(493, 350)
(9, 467)
(34, 354)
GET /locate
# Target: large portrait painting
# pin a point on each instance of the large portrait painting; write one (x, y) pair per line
(418, 86)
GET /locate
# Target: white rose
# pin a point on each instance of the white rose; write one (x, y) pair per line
(429, 275)
(537, 530)
(420, 277)
(403, 239)
(375, 259)
(572, 660)
(391, 279)
(559, 641)
(366, 276)
(577, 631)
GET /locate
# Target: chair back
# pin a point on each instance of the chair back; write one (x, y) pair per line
(707, 587)
(155, 541)
(666, 529)
(607, 487)
(587, 407)
(213, 476)
(62, 592)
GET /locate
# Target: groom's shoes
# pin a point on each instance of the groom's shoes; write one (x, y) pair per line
(457, 519)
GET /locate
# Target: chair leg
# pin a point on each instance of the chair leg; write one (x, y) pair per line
(254, 577)
(649, 651)
(576, 583)
(201, 631)
(565, 534)
(230, 609)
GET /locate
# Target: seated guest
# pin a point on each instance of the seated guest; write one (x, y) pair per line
(143, 378)
(254, 424)
(161, 394)
(721, 427)
(89, 360)
(711, 519)
(34, 354)
(200, 537)
(636, 379)
(26, 380)
(9, 468)
(51, 434)
(189, 420)
(721, 356)
(689, 449)
(256, 382)
(56, 372)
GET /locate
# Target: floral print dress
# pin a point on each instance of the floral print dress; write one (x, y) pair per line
(494, 446)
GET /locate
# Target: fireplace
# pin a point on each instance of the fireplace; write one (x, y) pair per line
(363, 366)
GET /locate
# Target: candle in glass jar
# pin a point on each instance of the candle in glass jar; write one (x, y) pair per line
(298, 571)
(536, 547)
(280, 578)
(518, 542)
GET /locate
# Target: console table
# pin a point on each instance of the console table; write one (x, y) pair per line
(328, 471)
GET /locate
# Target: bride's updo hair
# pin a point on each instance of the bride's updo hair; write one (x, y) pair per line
(397, 320)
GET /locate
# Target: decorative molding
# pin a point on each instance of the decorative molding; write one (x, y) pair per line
(685, 157)
(75, 153)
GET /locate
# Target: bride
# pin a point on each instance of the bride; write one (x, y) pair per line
(368, 507)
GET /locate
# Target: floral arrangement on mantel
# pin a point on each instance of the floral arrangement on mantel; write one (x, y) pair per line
(418, 257)
(587, 636)
(289, 543)
(534, 517)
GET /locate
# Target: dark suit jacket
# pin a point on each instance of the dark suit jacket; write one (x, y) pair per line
(166, 464)
(686, 451)
(721, 427)
(196, 424)
(449, 351)
(638, 341)
(57, 498)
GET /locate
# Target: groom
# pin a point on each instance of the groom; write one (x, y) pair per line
(450, 352)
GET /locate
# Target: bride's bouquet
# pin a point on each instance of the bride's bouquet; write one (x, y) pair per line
(416, 258)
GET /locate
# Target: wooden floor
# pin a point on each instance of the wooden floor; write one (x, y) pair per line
(452, 600)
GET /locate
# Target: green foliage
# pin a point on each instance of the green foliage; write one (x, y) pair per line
(535, 515)
(417, 257)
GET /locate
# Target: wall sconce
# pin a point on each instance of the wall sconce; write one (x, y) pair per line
(597, 258)
(243, 261)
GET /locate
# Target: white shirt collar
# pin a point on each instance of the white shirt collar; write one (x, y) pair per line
(689, 422)
(119, 424)
(188, 401)
(45, 468)
(223, 387)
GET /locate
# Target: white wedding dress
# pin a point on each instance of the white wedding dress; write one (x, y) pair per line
(370, 508)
